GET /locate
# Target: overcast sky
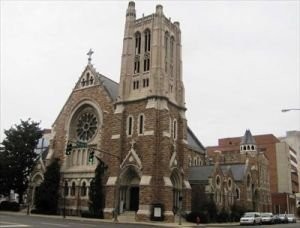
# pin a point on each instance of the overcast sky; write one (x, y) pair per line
(240, 60)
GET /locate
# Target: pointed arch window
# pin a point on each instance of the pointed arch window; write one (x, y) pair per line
(73, 189)
(83, 189)
(166, 51)
(147, 40)
(172, 48)
(129, 125)
(66, 188)
(137, 43)
(175, 129)
(141, 123)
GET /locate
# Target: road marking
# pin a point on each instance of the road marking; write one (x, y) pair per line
(15, 225)
(84, 224)
(54, 224)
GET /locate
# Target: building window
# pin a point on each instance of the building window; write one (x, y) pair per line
(172, 49)
(147, 36)
(145, 82)
(175, 129)
(83, 189)
(66, 188)
(190, 161)
(73, 189)
(146, 62)
(229, 183)
(141, 124)
(137, 64)
(129, 125)
(237, 193)
(248, 181)
(218, 180)
(166, 51)
(136, 84)
(137, 43)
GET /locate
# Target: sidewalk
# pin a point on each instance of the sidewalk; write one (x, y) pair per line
(151, 223)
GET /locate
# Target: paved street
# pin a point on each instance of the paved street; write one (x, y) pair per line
(15, 221)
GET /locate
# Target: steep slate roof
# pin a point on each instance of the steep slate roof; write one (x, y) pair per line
(237, 170)
(200, 173)
(193, 141)
(247, 138)
(110, 86)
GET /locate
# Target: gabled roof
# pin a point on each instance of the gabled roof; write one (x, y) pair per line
(110, 86)
(247, 138)
(200, 173)
(238, 170)
(193, 141)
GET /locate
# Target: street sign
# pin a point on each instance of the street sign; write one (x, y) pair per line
(81, 144)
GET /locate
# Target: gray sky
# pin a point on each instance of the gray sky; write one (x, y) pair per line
(240, 60)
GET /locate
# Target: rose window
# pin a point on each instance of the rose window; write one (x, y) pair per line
(86, 126)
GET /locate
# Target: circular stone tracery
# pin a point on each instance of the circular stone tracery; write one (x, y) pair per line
(86, 126)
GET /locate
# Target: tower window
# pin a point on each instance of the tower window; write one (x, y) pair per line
(141, 124)
(166, 51)
(136, 84)
(137, 64)
(145, 82)
(137, 43)
(147, 40)
(172, 49)
(146, 62)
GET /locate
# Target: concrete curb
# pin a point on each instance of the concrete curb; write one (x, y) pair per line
(76, 218)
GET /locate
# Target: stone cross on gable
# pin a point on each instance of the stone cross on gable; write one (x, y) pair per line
(90, 55)
(132, 142)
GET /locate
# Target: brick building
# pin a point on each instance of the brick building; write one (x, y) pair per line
(277, 153)
(137, 126)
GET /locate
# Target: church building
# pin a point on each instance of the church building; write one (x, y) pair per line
(137, 127)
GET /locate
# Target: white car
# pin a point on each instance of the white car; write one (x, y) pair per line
(267, 218)
(251, 218)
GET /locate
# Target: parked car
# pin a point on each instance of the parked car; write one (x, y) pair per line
(283, 218)
(267, 218)
(250, 218)
(291, 218)
(276, 219)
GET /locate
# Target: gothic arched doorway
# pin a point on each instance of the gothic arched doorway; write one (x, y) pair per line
(129, 189)
(177, 188)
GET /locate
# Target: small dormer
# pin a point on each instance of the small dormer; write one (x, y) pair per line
(248, 144)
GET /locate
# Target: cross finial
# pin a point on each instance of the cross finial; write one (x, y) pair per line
(90, 56)
(132, 143)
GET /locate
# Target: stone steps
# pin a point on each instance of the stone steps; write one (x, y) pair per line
(127, 216)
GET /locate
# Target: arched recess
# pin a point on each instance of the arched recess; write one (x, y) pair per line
(177, 189)
(129, 189)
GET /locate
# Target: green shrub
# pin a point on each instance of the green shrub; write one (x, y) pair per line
(223, 216)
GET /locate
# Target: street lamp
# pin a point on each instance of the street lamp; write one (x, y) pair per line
(290, 109)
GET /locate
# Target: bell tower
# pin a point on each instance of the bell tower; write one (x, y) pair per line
(149, 128)
(151, 59)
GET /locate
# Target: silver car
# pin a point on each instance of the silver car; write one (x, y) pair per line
(251, 218)
(291, 218)
(267, 218)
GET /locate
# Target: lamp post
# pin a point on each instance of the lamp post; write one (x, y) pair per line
(290, 109)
